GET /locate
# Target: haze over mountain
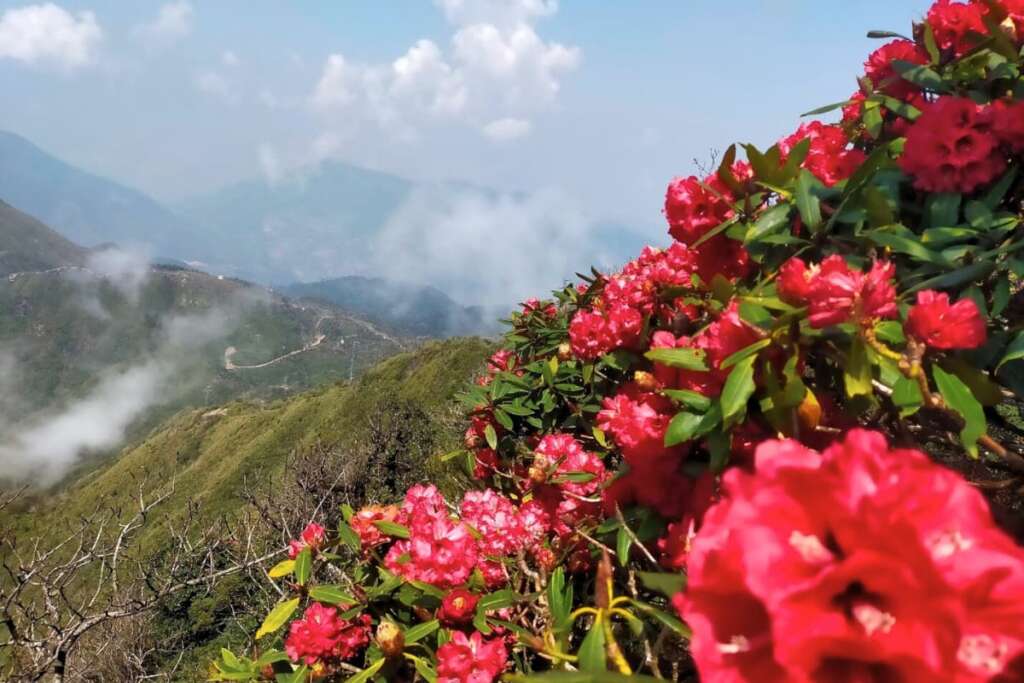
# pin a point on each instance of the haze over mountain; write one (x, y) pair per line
(478, 245)
(97, 345)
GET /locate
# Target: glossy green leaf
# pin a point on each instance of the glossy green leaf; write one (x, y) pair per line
(1015, 351)
(277, 617)
(745, 352)
(692, 399)
(368, 673)
(958, 397)
(857, 372)
(738, 389)
(686, 359)
(592, 656)
(303, 566)
(331, 595)
(282, 568)
(392, 528)
(421, 631)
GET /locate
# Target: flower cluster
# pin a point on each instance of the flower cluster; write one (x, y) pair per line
(940, 325)
(312, 537)
(322, 636)
(834, 293)
(858, 563)
(471, 659)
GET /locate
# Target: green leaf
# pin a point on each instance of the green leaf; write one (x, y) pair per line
(738, 389)
(282, 568)
(906, 395)
(666, 619)
(975, 271)
(271, 657)
(693, 399)
(1015, 351)
(331, 595)
(592, 656)
(421, 631)
(942, 210)
(920, 75)
(910, 246)
(392, 528)
(367, 673)
(745, 352)
(277, 617)
(666, 583)
(807, 203)
(857, 373)
(958, 397)
(623, 543)
(686, 359)
(300, 675)
(826, 109)
(769, 222)
(497, 600)
(492, 438)
(687, 426)
(349, 536)
(303, 566)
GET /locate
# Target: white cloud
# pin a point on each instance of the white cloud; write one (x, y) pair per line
(503, 130)
(270, 164)
(213, 83)
(229, 58)
(48, 34)
(496, 68)
(173, 22)
(485, 248)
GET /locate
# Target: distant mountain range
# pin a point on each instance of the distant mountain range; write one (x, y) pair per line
(319, 225)
(409, 309)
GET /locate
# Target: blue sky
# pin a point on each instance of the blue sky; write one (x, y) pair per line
(602, 101)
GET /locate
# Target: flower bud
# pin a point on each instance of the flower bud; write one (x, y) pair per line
(390, 639)
(564, 351)
(809, 412)
(473, 441)
(538, 472)
(458, 607)
(645, 380)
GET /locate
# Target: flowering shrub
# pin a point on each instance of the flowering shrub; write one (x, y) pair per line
(732, 429)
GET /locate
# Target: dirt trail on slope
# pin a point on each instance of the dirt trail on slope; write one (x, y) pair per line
(317, 340)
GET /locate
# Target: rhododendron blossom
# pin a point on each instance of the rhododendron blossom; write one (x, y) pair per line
(458, 607)
(363, 523)
(829, 157)
(952, 147)
(470, 659)
(1008, 124)
(312, 537)
(943, 326)
(321, 635)
(839, 294)
(859, 563)
(879, 67)
(958, 26)
(497, 521)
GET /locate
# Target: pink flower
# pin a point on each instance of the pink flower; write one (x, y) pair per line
(943, 326)
(363, 524)
(952, 147)
(313, 537)
(497, 521)
(470, 659)
(439, 551)
(693, 208)
(321, 635)
(860, 563)
(839, 294)
(829, 158)
(637, 421)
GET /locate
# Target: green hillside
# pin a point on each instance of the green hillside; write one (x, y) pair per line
(27, 244)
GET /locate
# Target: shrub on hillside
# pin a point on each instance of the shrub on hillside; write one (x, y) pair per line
(710, 463)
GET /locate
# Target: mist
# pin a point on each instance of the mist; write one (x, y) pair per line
(41, 449)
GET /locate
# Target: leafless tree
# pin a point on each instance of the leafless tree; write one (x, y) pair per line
(53, 597)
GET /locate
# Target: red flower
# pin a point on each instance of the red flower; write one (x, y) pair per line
(954, 22)
(952, 147)
(588, 335)
(693, 208)
(794, 284)
(883, 76)
(313, 537)
(839, 294)
(943, 326)
(363, 524)
(440, 552)
(723, 256)
(1008, 123)
(487, 463)
(860, 563)
(470, 659)
(829, 158)
(458, 607)
(322, 635)
(533, 305)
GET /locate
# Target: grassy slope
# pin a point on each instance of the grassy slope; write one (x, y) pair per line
(207, 456)
(27, 244)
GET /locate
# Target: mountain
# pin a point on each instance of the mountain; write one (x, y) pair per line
(413, 310)
(315, 222)
(27, 244)
(99, 345)
(211, 462)
(90, 210)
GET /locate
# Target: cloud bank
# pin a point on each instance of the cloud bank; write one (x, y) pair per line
(49, 35)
